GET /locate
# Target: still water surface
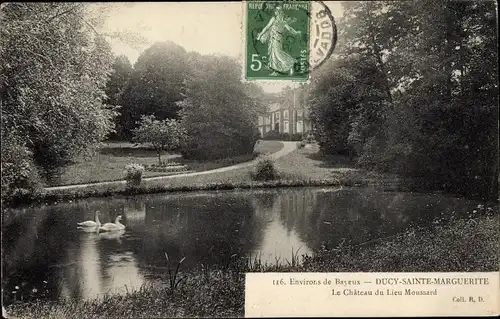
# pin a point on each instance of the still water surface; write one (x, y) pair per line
(45, 256)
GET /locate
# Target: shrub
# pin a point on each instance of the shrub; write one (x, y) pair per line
(133, 174)
(19, 174)
(272, 135)
(265, 170)
(285, 137)
(275, 135)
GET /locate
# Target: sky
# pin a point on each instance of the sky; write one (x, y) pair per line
(208, 28)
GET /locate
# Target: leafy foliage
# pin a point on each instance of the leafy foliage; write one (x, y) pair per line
(118, 80)
(218, 113)
(120, 75)
(162, 135)
(414, 91)
(275, 135)
(155, 85)
(133, 174)
(19, 173)
(54, 68)
(265, 170)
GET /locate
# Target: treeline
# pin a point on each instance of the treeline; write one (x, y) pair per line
(205, 93)
(414, 91)
(63, 92)
(51, 78)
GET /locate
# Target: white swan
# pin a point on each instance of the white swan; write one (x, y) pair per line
(113, 226)
(91, 223)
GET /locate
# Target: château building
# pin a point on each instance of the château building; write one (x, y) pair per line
(288, 113)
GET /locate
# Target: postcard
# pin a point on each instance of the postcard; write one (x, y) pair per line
(249, 159)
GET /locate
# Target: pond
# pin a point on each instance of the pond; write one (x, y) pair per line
(47, 257)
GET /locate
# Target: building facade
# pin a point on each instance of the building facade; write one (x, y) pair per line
(282, 117)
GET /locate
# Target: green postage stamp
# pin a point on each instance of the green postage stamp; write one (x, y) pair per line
(277, 40)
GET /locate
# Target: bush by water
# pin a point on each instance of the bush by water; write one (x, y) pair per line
(133, 174)
(265, 170)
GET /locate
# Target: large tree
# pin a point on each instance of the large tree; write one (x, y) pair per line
(120, 75)
(219, 112)
(54, 69)
(155, 85)
(420, 79)
(55, 64)
(345, 104)
(118, 80)
(454, 99)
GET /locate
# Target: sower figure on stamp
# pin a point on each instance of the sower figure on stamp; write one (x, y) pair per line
(273, 33)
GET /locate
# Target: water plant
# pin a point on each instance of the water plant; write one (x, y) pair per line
(294, 262)
(172, 275)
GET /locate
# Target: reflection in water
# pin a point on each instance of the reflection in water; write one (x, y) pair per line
(47, 257)
(85, 273)
(135, 211)
(112, 235)
(280, 239)
(209, 229)
(121, 273)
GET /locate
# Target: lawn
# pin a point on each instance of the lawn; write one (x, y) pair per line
(307, 163)
(299, 168)
(110, 162)
(300, 165)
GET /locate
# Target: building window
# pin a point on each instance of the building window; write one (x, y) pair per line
(285, 126)
(300, 114)
(268, 120)
(285, 114)
(261, 120)
(277, 116)
(300, 126)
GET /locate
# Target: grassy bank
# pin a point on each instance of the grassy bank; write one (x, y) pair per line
(109, 163)
(307, 163)
(296, 169)
(238, 181)
(459, 245)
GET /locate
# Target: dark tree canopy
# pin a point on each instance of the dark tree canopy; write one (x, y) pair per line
(155, 85)
(415, 91)
(120, 75)
(53, 72)
(118, 79)
(219, 112)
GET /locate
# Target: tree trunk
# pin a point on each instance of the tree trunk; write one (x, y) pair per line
(159, 157)
(448, 51)
(378, 56)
